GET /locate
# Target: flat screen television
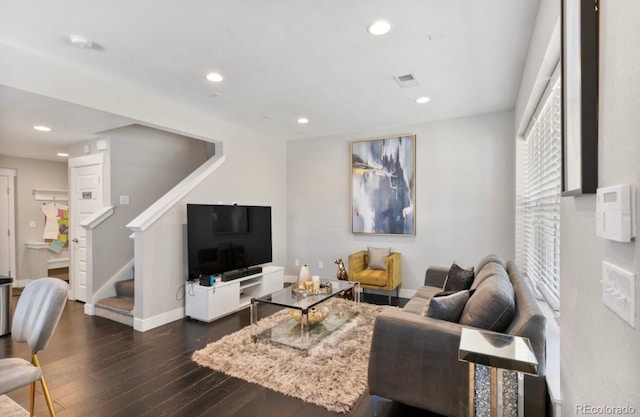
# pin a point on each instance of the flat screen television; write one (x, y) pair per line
(223, 238)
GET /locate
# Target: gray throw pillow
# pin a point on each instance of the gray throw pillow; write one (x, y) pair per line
(378, 258)
(447, 305)
(458, 279)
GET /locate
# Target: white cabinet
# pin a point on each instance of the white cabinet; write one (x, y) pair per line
(210, 303)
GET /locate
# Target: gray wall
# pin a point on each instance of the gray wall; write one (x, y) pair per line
(600, 352)
(145, 163)
(464, 197)
(30, 174)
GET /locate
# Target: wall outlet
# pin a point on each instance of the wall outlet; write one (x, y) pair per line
(297, 262)
(320, 265)
(32, 224)
(619, 292)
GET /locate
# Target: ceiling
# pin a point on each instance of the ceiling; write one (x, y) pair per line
(281, 60)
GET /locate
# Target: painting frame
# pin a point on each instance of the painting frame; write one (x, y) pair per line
(383, 186)
(580, 53)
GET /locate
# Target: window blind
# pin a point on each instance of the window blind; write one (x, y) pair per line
(538, 187)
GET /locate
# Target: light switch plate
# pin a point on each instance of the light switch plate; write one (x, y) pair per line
(619, 291)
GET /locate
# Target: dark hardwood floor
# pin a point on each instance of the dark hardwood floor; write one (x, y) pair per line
(97, 367)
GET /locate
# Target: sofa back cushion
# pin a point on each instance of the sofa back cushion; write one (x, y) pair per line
(492, 305)
(529, 320)
(491, 258)
(487, 271)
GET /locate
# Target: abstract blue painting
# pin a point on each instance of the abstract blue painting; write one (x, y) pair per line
(383, 186)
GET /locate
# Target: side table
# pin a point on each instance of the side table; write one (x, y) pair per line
(482, 348)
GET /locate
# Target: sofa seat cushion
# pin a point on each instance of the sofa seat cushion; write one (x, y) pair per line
(427, 292)
(416, 305)
(419, 303)
(371, 277)
(492, 305)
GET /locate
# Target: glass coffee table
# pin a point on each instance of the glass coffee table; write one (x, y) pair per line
(312, 315)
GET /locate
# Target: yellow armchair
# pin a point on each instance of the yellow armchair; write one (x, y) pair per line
(388, 279)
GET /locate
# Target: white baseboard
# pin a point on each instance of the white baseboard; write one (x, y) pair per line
(142, 325)
(89, 309)
(21, 283)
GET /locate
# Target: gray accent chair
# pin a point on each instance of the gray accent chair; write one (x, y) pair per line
(37, 314)
(414, 358)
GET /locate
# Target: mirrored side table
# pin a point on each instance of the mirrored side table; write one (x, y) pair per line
(493, 358)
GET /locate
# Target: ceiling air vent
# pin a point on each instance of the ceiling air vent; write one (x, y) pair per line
(408, 80)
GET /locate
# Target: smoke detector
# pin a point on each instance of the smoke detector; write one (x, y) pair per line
(81, 42)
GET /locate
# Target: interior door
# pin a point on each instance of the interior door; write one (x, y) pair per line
(85, 198)
(7, 223)
(5, 228)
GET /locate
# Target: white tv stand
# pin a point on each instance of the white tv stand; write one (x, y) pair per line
(223, 298)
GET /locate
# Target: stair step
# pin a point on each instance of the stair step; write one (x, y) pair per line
(125, 288)
(113, 315)
(119, 304)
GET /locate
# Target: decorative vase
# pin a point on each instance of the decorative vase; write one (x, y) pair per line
(303, 276)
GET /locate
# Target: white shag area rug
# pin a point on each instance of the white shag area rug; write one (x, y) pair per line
(333, 373)
(10, 408)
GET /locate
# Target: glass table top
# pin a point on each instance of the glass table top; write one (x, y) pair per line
(287, 297)
(497, 350)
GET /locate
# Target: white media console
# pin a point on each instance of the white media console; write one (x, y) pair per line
(209, 303)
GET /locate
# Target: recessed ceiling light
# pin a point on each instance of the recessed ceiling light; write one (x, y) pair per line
(214, 77)
(379, 27)
(303, 120)
(422, 100)
(63, 154)
(41, 128)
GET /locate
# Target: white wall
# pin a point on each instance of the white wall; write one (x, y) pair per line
(464, 197)
(254, 174)
(30, 174)
(600, 352)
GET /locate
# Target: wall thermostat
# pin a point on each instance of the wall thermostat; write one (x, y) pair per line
(615, 212)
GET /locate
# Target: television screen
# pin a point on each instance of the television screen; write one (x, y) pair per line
(229, 219)
(225, 238)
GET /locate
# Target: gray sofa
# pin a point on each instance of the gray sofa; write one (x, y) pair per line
(414, 358)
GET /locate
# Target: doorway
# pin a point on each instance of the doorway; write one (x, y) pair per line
(86, 196)
(7, 222)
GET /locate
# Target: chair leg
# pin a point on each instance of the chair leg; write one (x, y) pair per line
(47, 397)
(32, 398)
(45, 390)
